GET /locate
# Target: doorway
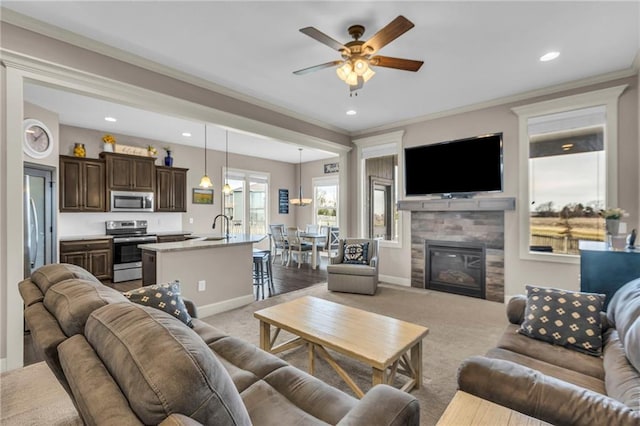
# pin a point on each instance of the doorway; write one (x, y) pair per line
(39, 220)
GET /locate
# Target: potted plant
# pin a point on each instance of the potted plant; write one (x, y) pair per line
(108, 141)
(612, 217)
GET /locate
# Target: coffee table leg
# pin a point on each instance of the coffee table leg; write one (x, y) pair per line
(416, 363)
(379, 376)
(265, 336)
(312, 358)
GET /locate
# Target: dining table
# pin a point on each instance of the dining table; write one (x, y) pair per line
(314, 238)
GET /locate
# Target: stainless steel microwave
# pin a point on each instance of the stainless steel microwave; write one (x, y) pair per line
(128, 201)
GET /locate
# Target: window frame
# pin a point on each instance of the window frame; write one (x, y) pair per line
(609, 99)
(370, 144)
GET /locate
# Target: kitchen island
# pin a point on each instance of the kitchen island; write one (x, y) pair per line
(214, 272)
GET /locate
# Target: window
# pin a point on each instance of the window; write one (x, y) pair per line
(247, 210)
(380, 159)
(568, 172)
(325, 199)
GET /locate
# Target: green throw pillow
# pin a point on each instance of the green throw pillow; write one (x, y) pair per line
(566, 318)
(357, 253)
(165, 297)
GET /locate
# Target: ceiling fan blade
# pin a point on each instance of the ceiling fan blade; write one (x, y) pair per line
(397, 63)
(386, 35)
(317, 67)
(357, 86)
(324, 39)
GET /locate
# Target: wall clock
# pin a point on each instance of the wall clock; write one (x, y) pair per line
(37, 139)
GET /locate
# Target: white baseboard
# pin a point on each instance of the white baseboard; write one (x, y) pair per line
(226, 305)
(3, 365)
(395, 280)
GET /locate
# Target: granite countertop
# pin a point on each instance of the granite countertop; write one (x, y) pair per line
(203, 241)
(85, 237)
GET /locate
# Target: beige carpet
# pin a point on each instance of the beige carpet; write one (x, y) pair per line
(459, 327)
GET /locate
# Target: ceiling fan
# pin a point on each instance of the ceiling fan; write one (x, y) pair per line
(358, 58)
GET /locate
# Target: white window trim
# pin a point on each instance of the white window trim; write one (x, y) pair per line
(394, 138)
(607, 97)
(235, 173)
(326, 181)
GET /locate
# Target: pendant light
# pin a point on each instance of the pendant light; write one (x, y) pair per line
(226, 188)
(301, 202)
(205, 182)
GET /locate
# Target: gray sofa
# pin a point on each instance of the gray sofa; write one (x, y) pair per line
(560, 385)
(127, 364)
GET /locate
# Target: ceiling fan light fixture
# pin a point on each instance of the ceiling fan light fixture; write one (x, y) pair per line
(352, 79)
(361, 66)
(366, 76)
(344, 71)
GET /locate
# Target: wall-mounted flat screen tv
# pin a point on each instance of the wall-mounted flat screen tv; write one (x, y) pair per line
(461, 167)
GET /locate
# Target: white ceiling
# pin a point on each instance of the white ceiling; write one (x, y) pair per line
(473, 51)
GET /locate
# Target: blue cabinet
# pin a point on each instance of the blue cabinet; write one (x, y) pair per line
(605, 270)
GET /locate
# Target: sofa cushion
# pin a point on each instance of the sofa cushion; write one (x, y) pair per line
(165, 297)
(621, 379)
(165, 369)
(72, 301)
(565, 318)
(624, 312)
(351, 269)
(48, 275)
(552, 354)
(569, 376)
(357, 253)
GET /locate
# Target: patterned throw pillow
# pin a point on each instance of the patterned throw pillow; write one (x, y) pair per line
(165, 297)
(357, 253)
(566, 318)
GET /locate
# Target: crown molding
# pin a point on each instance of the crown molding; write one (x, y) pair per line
(615, 75)
(66, 36)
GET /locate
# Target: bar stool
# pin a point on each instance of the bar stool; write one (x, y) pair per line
(262, 272)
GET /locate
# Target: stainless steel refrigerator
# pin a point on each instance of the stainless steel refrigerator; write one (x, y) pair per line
(39, 217)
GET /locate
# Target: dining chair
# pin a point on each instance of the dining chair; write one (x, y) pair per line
(279, 242)
(296, 245)
(311, 229)
(333, 240)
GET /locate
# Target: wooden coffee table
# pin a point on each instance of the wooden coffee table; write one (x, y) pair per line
(389, 346)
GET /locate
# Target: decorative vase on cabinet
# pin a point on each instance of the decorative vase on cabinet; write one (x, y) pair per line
(612, 226)
(168, 160)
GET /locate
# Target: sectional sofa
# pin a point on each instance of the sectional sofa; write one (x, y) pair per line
(127, 364)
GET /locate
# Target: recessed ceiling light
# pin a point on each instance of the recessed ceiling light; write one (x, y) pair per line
(550, 56)
(352, 112)
(186, 134)
(111, 119)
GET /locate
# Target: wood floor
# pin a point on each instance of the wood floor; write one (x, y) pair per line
(285, 279)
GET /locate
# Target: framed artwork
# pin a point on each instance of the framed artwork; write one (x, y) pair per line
(283, 201)
(332, 168)
(202, 196)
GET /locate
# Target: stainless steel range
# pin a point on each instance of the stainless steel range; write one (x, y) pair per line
(127, 257)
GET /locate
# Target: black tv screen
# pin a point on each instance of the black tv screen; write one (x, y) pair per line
(460, 167)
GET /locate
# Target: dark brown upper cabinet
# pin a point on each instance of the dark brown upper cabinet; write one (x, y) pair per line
(129, 172)
(171, 189)
(82, 185)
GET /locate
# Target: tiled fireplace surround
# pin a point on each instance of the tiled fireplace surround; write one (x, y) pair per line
(461, 226)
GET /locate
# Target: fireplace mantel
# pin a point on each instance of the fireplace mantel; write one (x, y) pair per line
(459, 204)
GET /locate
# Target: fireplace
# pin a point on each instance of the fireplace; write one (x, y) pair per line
(455, 267)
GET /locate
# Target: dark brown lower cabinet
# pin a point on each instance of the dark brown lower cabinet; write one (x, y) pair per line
(96, 256)
(148, 267)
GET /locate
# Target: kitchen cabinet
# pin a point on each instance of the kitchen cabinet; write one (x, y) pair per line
(171, 189)
(82, 184)
(148, 267)
(96, 256)
(604, 269)
(171, 238)
(129, 172)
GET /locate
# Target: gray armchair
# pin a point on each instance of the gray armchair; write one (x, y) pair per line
(353, 277)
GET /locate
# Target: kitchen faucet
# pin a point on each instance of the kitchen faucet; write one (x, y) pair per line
(226, 218)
